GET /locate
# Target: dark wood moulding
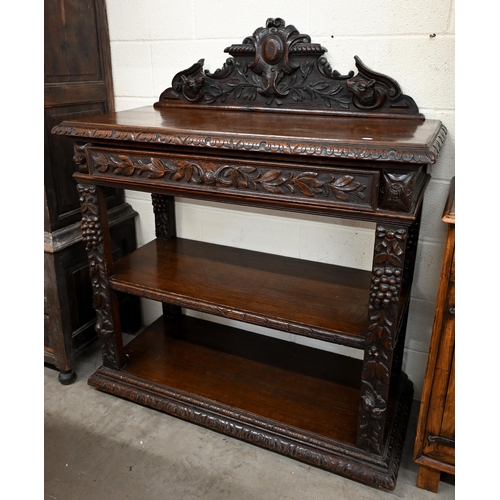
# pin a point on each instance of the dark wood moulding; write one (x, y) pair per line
(282, 396)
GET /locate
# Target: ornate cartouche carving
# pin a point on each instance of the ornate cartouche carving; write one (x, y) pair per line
(279, 68)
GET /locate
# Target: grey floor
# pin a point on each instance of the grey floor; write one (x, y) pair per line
(98, 447)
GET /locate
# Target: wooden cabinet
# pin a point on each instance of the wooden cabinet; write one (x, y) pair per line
(435, 439)
(78, 83)
(276, 127)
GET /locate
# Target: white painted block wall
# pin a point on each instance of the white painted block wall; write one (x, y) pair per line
(151, 40)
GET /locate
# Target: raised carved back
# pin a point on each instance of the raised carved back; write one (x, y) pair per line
(278, 68)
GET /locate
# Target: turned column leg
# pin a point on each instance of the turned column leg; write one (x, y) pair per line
(165, 229)
(385, 294)
(97, 241)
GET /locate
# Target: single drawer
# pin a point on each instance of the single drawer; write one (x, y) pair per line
(270, 182)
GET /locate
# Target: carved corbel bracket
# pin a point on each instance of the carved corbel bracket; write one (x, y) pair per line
(400, 190)
(279, 68)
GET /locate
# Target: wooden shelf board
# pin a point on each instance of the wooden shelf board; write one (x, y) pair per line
(315, 391)
(302, 297)
(295, 400)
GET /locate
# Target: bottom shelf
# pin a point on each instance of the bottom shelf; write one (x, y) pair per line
(288, 398)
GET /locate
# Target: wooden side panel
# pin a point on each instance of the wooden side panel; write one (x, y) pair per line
(78, 83)
(435, 440)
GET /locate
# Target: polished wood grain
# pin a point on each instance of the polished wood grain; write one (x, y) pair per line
(281, 381)
(77, 83)
(252, 128)
(310, 298)
(434, 448)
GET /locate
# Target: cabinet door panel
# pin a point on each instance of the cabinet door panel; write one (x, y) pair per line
(78, 83)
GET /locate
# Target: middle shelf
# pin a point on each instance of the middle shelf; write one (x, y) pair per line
(312, 299)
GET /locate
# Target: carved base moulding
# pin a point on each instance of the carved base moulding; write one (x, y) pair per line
(333, 455)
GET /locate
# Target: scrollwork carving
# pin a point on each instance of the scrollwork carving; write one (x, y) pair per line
(280, 68)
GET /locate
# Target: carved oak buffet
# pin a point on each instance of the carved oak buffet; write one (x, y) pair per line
(275, 127)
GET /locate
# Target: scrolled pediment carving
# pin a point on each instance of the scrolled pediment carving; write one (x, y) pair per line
(279, 68)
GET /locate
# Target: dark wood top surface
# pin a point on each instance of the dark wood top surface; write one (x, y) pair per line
(372, 138)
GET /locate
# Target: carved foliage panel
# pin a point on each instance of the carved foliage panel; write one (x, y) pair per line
(102, 301)
(260, 180)
(280, 68)
(385, 295)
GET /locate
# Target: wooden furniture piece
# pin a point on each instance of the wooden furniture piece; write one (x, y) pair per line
(78, 83)
(275, 127)
(435, 438)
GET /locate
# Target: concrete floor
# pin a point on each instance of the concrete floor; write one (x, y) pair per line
(98, 447)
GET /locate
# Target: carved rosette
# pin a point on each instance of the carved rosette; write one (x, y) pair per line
(94, 245)
(388, 264)
(279, 68)
(400, 189)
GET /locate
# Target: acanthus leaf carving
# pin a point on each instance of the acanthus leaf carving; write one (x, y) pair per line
(280, 68)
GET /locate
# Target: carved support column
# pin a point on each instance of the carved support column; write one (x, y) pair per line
(385, 296)
(164, 210)
(165, 229)
(409, 268)
(96, 237)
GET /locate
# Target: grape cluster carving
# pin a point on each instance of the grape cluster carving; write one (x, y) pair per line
(91, 231)
(385, 285)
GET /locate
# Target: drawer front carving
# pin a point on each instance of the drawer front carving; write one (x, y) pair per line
(251, 179)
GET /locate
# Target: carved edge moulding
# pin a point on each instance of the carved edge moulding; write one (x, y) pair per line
(279, 69)
(309, 149)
